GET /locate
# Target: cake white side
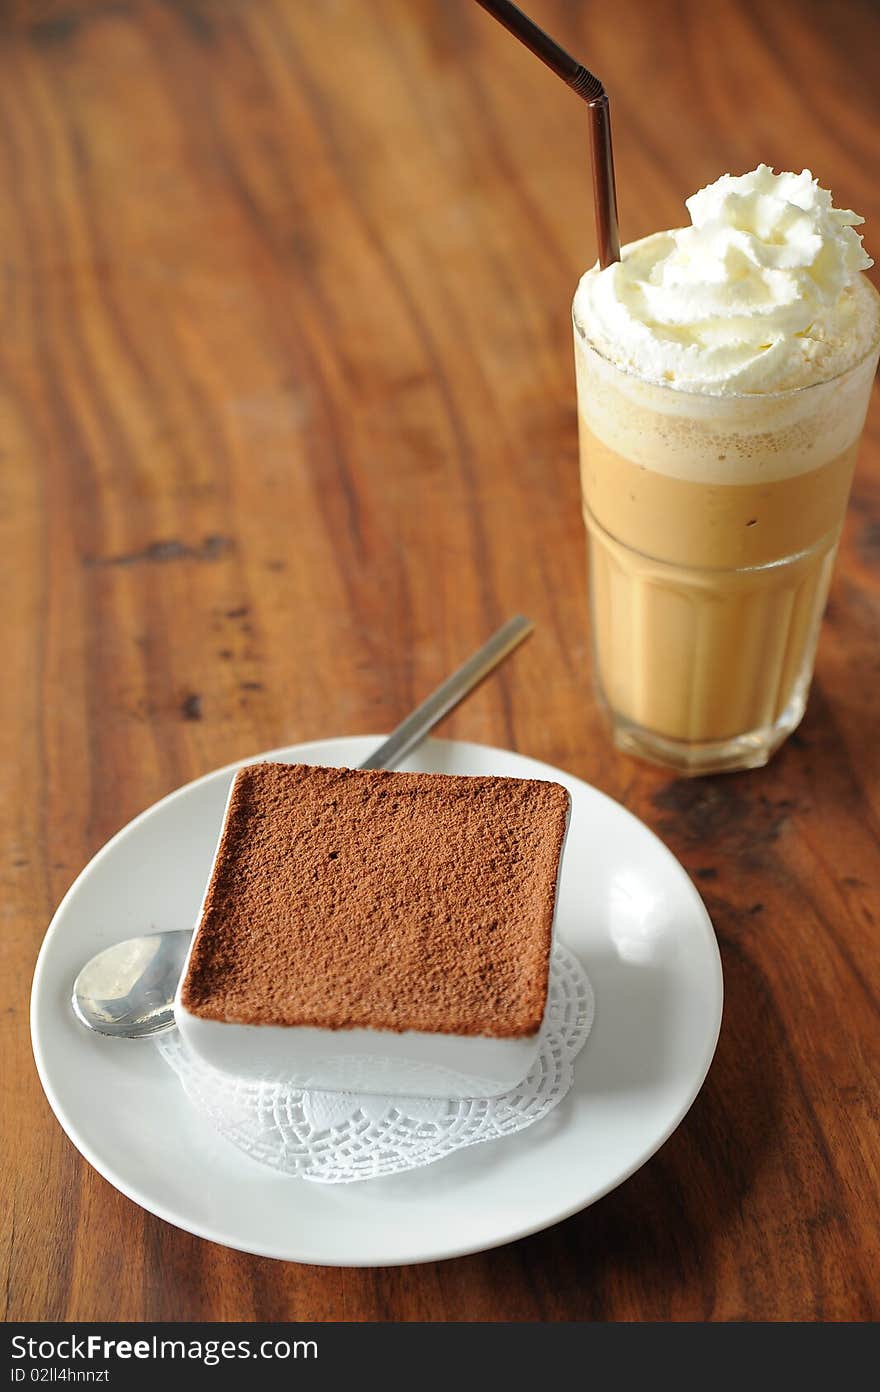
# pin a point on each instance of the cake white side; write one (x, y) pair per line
(410, 1064)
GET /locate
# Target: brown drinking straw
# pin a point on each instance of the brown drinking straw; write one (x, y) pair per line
(593, 93)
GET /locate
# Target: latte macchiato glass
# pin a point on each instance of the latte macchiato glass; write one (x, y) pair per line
(713, 524)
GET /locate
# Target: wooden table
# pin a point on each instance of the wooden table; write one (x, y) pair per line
(287, 428)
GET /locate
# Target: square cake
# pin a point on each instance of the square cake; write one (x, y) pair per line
(377, 932)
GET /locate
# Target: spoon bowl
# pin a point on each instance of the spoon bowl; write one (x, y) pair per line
(128, 989)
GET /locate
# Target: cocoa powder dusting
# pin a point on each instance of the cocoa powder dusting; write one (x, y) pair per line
(345, 899)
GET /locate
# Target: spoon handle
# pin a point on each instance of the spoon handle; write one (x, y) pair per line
(416, 726)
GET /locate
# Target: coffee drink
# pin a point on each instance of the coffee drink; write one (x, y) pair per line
(723, 379)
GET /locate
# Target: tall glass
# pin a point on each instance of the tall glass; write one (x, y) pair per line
(713, 524)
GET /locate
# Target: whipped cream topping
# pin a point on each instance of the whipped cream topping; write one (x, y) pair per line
(762, 293)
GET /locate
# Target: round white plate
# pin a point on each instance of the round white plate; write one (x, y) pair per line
(627, 909)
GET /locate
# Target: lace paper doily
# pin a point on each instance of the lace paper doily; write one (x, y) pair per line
(337, 1138)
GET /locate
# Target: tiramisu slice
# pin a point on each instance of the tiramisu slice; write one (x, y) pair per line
(377, 932)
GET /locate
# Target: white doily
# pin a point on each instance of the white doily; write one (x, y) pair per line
(337, 1138)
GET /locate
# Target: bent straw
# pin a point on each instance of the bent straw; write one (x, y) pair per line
(587, 86)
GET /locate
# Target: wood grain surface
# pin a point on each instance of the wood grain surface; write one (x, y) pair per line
(288, 427)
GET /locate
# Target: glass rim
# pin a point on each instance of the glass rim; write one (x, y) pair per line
(788, 393)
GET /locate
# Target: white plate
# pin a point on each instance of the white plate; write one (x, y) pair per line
(626, 907)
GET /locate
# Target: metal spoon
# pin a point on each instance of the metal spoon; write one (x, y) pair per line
(128, 989)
